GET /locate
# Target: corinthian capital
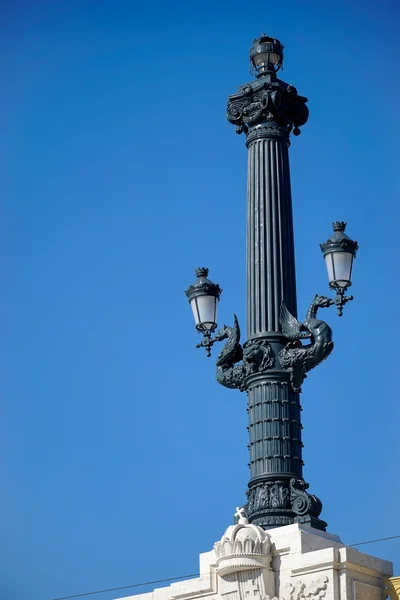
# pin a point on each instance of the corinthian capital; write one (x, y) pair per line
(268, 99)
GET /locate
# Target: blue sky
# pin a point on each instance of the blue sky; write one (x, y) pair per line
(120, 456)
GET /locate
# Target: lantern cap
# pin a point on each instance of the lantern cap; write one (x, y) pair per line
(201, 271)
(203, 286)
(339, 241)
(339, 226)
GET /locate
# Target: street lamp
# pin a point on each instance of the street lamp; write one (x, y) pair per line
(339, 252)
(273, 362)
(203, 296)
(266, 56)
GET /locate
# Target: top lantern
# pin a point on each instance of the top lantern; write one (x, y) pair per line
(266, 56)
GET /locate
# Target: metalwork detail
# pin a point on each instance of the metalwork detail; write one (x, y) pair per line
(302, 502)
(207, 342)
(275, 444)
(270, 132)
(205, 287)
(339, 239)
(269, 494)
(267, 100)
(299, 359)
(256, 354)
(340, 300)
(283, 501)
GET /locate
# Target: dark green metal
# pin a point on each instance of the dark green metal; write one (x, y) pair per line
(267, 111)
(339, 242)
(272, 52)
(272, 363)
(299, 359)
(204, 287)
(256, 356)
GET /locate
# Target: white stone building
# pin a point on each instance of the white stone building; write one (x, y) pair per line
(293, 562)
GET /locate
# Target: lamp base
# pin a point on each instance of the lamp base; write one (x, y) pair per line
(278, 501)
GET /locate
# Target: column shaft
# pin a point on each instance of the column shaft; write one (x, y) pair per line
(270, 252)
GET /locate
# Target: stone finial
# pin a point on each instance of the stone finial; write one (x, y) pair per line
(241, 514)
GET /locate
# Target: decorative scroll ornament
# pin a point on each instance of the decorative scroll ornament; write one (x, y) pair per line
(300, 591)
(299, 359)
(302, 502)
(267, 100)
(256, 354)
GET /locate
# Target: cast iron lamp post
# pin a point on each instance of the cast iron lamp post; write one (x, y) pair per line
(272, 364)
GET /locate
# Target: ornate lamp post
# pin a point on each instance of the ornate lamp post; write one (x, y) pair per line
(272, 364)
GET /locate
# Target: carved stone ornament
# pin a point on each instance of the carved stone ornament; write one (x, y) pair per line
(267, 100)
(256, 353)
(242, 547)
(300, 591)
(299, 359)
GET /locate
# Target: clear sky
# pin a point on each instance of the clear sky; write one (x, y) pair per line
(121, 459)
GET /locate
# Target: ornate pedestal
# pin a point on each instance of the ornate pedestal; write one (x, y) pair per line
(293, 562)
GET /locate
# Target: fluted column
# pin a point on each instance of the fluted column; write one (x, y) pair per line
(270, 252)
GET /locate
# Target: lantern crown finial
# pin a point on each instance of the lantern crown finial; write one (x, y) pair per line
(339, 226)
(201, 271)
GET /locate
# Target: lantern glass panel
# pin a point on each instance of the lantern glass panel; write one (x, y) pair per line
(205, 312)
(266, 57)
(260, 58)
(339, 266)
